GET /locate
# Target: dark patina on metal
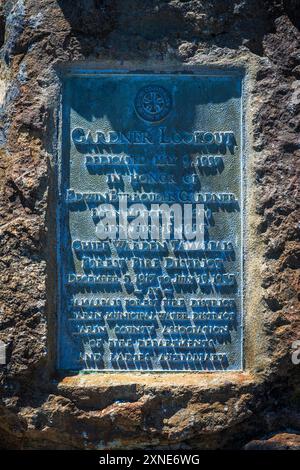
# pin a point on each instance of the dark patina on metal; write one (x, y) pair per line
(144, 303)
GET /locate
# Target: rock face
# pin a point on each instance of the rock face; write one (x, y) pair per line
(39, 409)
(284, 441)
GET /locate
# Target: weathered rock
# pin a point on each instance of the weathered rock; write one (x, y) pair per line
(42, 410)
(284, 441)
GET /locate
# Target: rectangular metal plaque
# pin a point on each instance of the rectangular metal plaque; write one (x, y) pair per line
(136, 148)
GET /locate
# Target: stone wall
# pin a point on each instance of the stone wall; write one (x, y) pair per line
(40, 409)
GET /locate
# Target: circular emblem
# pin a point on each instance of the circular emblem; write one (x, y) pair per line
(153, 103)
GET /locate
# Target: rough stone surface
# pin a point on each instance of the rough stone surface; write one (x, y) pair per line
(284, 441)
(40, 410)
